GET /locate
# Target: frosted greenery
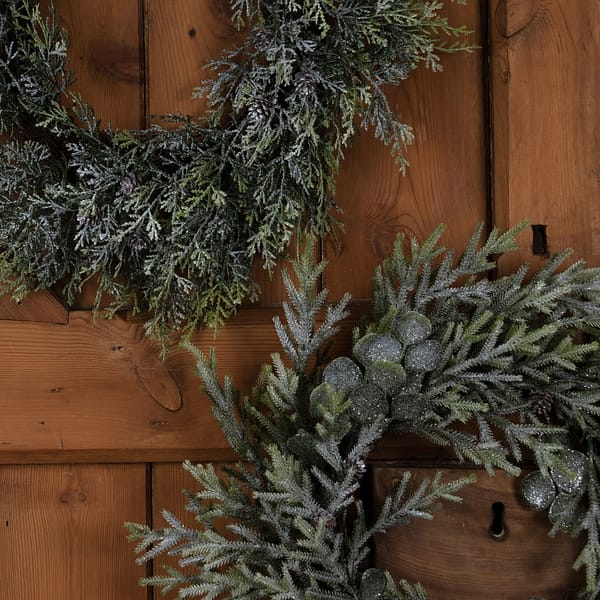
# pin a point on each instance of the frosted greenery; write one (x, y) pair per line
(297, 527)
(504, 372)
(170, 220)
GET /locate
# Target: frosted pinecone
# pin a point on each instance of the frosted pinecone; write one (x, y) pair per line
(360, 467)
(304, 85)
(139, 242)
(540, 404)
(127, 185)
(328, 519)
(258, 110)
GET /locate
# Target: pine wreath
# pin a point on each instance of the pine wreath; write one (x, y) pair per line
(170, 220)
(497, 370)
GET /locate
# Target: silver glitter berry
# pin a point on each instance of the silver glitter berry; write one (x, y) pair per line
(388, 376)
(571, 478)
(563, 511)
(537, 491)
(412, 327)
(367, 404)
(407, 407)
(377, 346)
(424, 356)
(343, 374)
(372, 584)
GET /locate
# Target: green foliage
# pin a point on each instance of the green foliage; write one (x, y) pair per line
(297, 528)
(516, 359)
(171, 220)
(504, 371)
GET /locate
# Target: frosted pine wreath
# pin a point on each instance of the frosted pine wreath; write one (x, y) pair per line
(496, 370)
(171, 220)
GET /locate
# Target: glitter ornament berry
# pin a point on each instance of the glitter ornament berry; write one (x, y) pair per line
(343, 374)
(388, 376)
(412, 327)
(537, 491)
(373, 346)
(564, 511)
(570, 476)
(407, 407)
(373, 584)
(423, 357)
(368, 404)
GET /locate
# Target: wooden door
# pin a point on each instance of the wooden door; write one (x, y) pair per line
(94, 424)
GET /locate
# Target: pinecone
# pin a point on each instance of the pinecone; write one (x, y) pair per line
(328, 519)
(258, 111)
(360, 467)
(304, 85)
(540, 404)
(127, 185)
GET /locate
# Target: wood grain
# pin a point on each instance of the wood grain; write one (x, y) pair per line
(546, 133)
(98, 386)
(42, 306)
(454, 556)
(446, 179)
(181, 37)
(105, 51)
(62, 535)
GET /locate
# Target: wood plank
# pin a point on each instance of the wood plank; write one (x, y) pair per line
(97, 388)
(42, 306)
(61, 531)
(446, 181)
(181, 37)
(454, 556)
(168, 482)
(105, 51)
(546, 141)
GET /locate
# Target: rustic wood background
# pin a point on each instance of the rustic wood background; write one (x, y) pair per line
(94, 426)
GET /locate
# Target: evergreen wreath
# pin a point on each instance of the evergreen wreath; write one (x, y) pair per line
(171, 220)
(505, 372)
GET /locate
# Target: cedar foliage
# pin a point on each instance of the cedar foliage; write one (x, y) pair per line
(171, 220)
(446, 348)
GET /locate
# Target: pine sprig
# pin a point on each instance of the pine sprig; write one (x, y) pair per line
(296, 527)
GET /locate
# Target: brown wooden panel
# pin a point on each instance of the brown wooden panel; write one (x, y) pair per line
(105, 51)
(446, 179)
(97, 390)
(182, 36)
(455, 558)
(42, 306)
(168, 482)
(546, 85)
(62, 535)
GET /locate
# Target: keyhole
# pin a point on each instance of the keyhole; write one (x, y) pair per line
(539, 246)
(497, 529)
